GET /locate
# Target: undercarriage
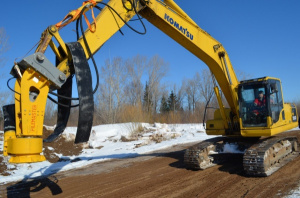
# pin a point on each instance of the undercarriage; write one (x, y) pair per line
(261, 157)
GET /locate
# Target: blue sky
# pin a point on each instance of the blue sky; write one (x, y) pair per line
(262, 37)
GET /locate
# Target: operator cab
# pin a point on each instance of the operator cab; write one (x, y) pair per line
(258, 99)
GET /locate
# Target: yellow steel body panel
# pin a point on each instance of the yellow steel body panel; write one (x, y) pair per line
(265, 131)
(25, 150)
(222, 110)
(33, 109)
(23, 146)
(27, 159)
(26, 145)
(18, 108)
(283, 124)
(217, 126)
(7, 136)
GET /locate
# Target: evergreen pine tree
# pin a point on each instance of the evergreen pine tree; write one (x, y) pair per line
(164, 107)
(147, 103)
(173, 102)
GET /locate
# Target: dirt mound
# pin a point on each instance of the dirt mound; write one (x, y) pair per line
(63, 145)
(3, 166)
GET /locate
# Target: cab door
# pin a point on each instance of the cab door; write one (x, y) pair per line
(276, 100)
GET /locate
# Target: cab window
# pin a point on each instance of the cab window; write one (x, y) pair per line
(253, 105)
(276, 102)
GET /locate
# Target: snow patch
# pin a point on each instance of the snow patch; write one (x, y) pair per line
(49, 128)
(294, 193)
(231, 148)
(106, 143)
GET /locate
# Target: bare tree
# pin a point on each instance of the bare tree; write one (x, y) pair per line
(112, 90)
(121, 88)
(205, 85)
(192, 91)
(157, 69)
(136, 69)
(241, 75)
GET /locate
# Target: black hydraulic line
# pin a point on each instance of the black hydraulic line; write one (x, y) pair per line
(50, 98)
(7, 83)
(91, 55)
(115, 20)
(134, 6)
(89, 51)
(88, 48)
(136, 19)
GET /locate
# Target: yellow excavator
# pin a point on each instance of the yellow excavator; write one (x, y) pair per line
(256, 109)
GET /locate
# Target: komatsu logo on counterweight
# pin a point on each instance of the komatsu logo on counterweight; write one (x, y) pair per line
(179, 27)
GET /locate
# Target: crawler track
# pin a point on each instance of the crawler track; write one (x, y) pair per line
(262, 157)
(268, 155)
(199, 156)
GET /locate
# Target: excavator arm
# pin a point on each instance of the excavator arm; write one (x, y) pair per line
(169, 18)
(36, 75)
(173, 21)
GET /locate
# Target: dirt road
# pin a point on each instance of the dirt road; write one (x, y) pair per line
(159, 175)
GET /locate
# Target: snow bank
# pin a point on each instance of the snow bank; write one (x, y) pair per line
(106, 143)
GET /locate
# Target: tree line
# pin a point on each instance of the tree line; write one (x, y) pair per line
(134, 90)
